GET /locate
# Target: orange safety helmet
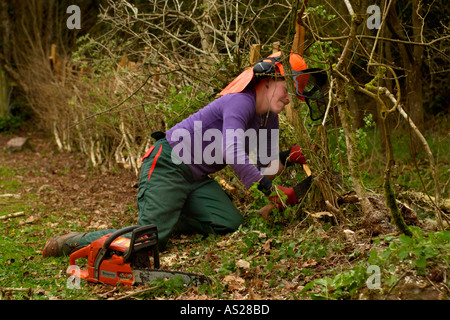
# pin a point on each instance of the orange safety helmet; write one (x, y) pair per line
(271, 66)
(308, 81)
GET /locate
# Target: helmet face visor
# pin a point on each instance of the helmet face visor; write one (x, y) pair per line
(308, 82)
(313, 90)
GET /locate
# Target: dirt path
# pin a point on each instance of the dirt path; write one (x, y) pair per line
(65, 183)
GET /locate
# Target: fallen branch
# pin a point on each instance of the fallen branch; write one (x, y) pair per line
(3, 291)
(12, 215)
(136, 293)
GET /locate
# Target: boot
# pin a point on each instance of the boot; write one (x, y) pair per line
(62, 245)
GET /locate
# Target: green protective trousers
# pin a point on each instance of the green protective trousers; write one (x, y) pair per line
(171, 199)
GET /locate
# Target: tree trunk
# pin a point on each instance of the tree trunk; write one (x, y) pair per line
(343, 67)
(352, 149)
(412, 57)
(5, 31)
(414, 100)
(5, 56)
(4, 94)
(389, 193)
(355, 109)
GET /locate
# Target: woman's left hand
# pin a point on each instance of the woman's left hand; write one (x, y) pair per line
(296, 155)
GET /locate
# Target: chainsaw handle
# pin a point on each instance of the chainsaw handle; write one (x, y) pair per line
(102, 252)
(307, 170)
(81, 253)
(116, 234)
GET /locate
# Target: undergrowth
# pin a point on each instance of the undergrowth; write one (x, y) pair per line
(289, 256)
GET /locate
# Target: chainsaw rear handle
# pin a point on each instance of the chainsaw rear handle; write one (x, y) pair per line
(81, 253)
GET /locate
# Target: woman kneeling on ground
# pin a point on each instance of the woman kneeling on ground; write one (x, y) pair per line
(175, 192)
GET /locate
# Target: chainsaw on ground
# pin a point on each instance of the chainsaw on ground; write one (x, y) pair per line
(114, 259)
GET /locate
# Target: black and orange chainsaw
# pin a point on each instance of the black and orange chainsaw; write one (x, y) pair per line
(114, 259)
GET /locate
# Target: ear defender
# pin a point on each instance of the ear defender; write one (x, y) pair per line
(265, 67)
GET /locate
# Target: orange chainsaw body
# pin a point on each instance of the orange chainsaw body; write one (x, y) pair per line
(110, 258)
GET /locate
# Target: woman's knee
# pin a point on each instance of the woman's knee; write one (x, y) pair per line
(230, 225)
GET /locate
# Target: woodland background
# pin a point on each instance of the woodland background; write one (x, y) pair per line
(135, 67)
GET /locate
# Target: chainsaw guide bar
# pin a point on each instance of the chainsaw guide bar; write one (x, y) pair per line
(189, 279)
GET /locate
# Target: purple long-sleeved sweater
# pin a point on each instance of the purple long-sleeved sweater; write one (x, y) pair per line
(226, 132)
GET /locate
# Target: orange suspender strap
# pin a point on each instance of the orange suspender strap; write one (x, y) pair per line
(154, 163)
(148, 152)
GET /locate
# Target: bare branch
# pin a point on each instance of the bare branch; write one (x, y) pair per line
(349, 7)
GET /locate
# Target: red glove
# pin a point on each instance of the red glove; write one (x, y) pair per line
(289, 192)
(296, 155)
